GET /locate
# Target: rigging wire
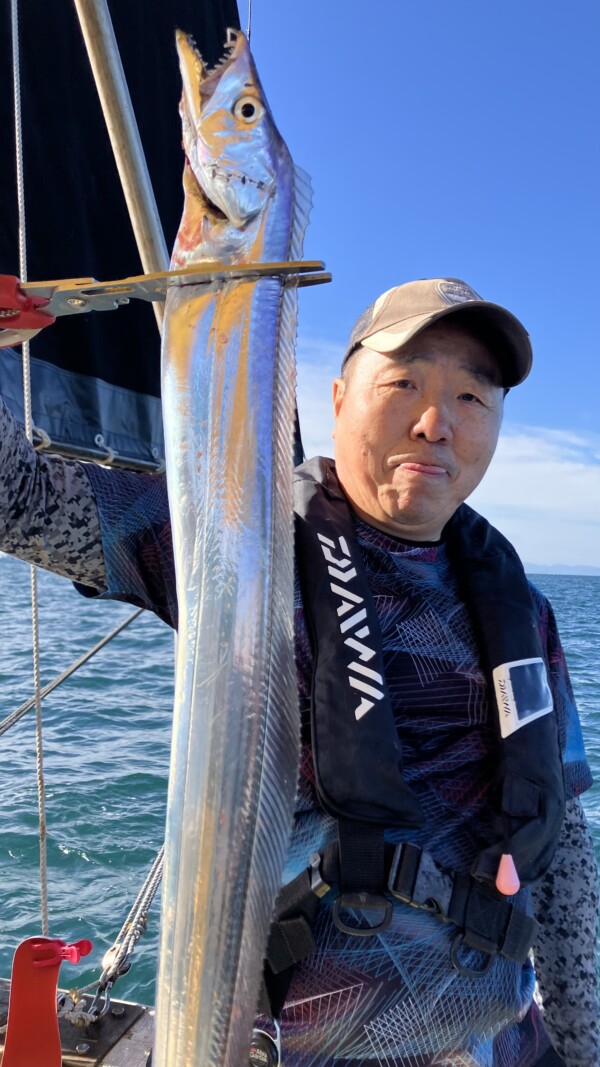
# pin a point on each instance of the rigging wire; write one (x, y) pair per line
(249, 20)
(19, 712)
(29, 432)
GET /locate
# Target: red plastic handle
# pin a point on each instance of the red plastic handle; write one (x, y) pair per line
(19, 311)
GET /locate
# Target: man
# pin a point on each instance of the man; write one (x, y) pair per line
(417, 412)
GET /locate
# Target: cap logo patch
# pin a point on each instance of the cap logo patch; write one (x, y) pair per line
(456, 292)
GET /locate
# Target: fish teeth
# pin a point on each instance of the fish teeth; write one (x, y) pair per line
(229, 46)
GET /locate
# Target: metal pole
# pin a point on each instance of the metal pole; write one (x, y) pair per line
(100, 41)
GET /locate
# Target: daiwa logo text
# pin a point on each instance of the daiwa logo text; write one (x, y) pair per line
(351, 613)
(523, 693)
(505, 699)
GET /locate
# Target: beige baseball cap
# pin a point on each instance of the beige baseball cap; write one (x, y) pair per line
(401, 312)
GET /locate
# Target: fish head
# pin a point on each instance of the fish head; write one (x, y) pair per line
(237, 156)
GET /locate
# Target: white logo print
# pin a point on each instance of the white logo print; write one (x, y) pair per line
(341, 570)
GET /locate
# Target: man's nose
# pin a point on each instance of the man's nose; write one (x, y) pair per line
(433, 423)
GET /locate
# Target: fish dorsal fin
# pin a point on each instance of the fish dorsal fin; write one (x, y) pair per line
(303, 201)
(289, 305)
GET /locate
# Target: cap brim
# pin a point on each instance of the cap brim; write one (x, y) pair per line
(494, 324)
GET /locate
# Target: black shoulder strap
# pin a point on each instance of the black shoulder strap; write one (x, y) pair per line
(359, 764)
(530, 793)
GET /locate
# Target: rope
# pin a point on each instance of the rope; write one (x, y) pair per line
(72, 1006)
(29, 431)
(20, 711)
(249, 20)
(135, 923)
(18, 139)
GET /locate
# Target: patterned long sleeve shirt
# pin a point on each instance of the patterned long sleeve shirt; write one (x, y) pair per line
(350, 1004)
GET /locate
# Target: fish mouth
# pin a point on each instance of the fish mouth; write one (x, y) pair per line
(227, 54)
(211, 73)
(209, 207)
(232, 194)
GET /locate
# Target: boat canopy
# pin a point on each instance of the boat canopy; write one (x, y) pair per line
(95, 378)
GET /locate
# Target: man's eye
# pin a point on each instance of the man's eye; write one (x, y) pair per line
(403, 383)
(470, 397)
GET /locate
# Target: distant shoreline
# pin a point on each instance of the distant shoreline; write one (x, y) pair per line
(562, 569)
(579, 571)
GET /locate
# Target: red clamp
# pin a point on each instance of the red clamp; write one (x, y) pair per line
(19, 311)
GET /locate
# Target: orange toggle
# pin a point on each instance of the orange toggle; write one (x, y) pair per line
(507, 879)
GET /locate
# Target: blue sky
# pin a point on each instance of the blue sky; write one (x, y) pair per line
(458, 139)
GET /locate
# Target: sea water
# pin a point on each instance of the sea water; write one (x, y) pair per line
(106, 735)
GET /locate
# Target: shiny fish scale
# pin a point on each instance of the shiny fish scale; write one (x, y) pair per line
(229, 399)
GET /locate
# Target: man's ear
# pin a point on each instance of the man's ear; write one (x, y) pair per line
(339, 389)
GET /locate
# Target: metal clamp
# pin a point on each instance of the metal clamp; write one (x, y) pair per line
(75, 296)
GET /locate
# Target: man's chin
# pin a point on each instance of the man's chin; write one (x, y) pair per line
(415, 521)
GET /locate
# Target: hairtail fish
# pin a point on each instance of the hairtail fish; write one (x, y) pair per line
(229, 402)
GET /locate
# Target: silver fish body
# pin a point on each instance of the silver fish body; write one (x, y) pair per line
(229, 401)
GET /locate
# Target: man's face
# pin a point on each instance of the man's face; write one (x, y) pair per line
(415, 429)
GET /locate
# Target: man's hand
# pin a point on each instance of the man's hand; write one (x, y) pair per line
(21, 316)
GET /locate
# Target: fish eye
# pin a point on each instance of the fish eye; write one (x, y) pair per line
(248, 109)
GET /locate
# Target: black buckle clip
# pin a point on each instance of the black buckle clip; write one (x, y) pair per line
(416, 879)
(469, 972)
(362, 902)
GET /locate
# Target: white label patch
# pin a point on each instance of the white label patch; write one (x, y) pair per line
(522, 692)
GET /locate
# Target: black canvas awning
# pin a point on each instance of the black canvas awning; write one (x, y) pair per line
(94, 376)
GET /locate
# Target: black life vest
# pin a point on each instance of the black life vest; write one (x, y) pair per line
(357, 752)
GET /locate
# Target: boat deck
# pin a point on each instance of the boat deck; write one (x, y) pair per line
(122, 1039)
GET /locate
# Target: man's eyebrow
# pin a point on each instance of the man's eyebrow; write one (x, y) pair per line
(481, 374)
(407, 359)
(475, 370)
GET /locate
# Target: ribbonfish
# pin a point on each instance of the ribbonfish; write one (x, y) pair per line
(229, 402)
